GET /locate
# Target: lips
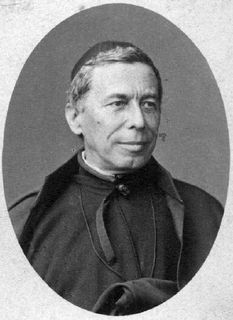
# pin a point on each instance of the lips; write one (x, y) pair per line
(139, 143)
(134, 146)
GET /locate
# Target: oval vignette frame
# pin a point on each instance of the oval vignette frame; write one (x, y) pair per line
(56, 61)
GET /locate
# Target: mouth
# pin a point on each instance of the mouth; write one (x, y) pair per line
(134, 142)
(134, 145)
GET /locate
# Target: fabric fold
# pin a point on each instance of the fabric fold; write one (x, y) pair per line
(134, 296)
(102, 232)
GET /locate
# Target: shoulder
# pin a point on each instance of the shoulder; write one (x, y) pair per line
(19, 210)
(194, 198)
(43, 196)
(191, 193)
(199, 203)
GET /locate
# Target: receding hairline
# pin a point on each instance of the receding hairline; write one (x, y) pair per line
(115, 63)
(96, 71)
(95, 53)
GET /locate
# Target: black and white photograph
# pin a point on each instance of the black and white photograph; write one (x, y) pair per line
(115, 169)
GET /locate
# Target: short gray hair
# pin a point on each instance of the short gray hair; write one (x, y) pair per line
(100, 54)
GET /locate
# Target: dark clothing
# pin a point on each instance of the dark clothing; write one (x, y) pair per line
(117, 246)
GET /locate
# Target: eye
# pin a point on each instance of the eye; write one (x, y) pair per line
(118, 103)
(149, 105)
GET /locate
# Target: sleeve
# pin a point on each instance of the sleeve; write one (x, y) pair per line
(134, 296)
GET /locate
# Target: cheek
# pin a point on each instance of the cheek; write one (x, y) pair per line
(91, 123)
(99, 126)
(100, 129)
(153, 123)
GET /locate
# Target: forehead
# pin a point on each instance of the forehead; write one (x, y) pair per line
(123, 76)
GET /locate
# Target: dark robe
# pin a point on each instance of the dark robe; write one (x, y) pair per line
(118, 245)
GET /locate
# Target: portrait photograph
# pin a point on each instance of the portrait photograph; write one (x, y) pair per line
(116, 140)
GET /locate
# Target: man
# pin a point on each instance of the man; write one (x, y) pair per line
(111, 231)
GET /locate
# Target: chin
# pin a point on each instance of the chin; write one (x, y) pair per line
(132, 163)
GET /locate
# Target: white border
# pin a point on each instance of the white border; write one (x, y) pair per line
(209, 25)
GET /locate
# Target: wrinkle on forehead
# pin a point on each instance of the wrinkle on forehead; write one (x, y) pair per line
(134, 79)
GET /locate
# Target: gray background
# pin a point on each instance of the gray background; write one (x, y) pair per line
(37, 138)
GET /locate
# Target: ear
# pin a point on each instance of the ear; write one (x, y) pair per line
(73, 117)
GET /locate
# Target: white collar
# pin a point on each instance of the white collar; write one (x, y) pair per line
(103, 172)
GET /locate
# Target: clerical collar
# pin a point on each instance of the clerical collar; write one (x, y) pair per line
(100, 171)
(124, 182)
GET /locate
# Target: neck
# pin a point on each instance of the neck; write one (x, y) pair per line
(109, 173)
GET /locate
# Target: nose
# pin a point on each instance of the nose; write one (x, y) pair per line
(136, 117)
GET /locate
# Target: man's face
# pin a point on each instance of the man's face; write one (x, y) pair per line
(120, 116)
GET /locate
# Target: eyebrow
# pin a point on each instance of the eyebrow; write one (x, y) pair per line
(125, 97)
(117, 95)
(150, 96)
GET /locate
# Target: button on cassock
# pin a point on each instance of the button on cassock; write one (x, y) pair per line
(123, 189)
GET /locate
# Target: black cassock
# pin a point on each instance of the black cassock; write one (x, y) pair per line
(118, 245)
